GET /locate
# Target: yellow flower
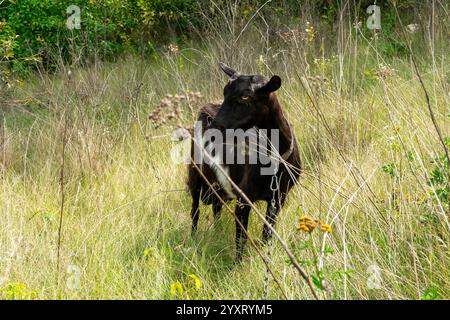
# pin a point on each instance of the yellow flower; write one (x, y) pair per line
(198, 283)
(325, 228)
(307, 224)
(310, 31)
(176, 289)
(147, 252)
(303, 227)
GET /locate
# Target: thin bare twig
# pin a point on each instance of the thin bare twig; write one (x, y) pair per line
(61, 188)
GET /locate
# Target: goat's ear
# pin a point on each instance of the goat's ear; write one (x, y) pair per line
(273, 85)
(228, 70)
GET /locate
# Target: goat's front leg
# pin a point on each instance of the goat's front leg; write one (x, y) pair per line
(217, 206)
(242, 212)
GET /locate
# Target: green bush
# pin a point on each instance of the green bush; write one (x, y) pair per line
(35, 30)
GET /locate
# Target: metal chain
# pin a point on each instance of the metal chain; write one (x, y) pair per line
(273, 187)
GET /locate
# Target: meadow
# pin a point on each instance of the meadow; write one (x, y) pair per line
(93, 207)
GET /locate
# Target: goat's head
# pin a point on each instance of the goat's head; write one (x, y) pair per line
(246, 99)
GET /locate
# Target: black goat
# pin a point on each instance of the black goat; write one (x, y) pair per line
(249, 102)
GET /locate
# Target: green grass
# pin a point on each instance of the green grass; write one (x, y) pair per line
(126, 223)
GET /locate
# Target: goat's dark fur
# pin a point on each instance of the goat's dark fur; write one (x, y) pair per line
(260, 109)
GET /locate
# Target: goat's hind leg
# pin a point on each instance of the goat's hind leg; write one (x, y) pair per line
(194, 185)
(242, 212)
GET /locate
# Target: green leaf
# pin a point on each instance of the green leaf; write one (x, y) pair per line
(430, 294)
(328, 249)
(317, 282)
(389, 169)
(447, 141)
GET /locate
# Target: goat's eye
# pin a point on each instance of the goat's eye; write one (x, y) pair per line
(245, 98)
